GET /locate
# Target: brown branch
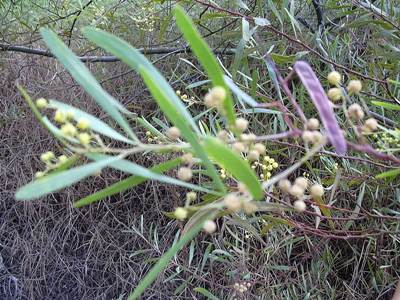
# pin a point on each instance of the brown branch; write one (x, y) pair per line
(107, 58)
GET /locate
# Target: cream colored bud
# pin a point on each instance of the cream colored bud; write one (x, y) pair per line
(238, 147)
(307, 136)
(39, 174)
(316, 137)
(223, 135)
(218, 93)
(260, 148)
(83, 124)
(253, 155)
(355, 112)
(62, 159)
(68, 129)
(69, 114)
(60, 116)
(354, 87)
(187, 158)
(299, 205)
(371, 124)
(47, 156)
(180, 213)
(209, 226)
(191, 196)
(334, 78)
(173, 133)
(284, 185)
(242, 188)
(312, 124)
(334, 94)
(301, 182)
(232, 202)
(249, 207)
(241, 124)
(185, 173)
(317, 190)
(84, 138)
(41, 103)
(296, 191)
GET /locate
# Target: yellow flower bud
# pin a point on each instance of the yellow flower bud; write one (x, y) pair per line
(354, 87)
(253, 155)
(62, 159)
(39, 174)
(317, 190)
(334, 78)
(41, 103)
(173, 133)
(68, 129)
(301, 182)
(223, 135)
(260, 148)
(299, 205)
(238, 147)
(312, 124)
(83, 124)
(241, 124)
(296, 191)
(209, 226)
(218, 93)
(84, 138)
(59, 116)
(185, 174)
(180, 213)
(191, 196)
(187, 158)
(307, 136)
(47, 156)
(334, 94)
(371, 124)
(284, 185)
(355, 112)
(232, 202)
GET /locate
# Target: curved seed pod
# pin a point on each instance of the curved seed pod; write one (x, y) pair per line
(322, 103)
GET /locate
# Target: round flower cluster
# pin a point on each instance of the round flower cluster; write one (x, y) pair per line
(185, 97)
(242, 287)
(151, 138)
(335, 94)
(215, 97)
(297, 190)
(235, 202)
(52, 162)
(265, 167)
(145, 18)
(387, 142)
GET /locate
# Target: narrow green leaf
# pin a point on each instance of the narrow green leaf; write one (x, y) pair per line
(125, 184)
(388, 174)
(234, 164)
(175, 117)
(52, 183)
(132, 168)
(133, 58)
(95, 124)
(82, 75)
(165, 259)
(206, 58)
(386, 105)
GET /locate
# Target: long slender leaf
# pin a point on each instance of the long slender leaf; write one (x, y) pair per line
(132, 168)
(205, 56)
(164, 260)
(125, 184)
(235, 165)
(83, 76)
(173, 115)
(52, 183)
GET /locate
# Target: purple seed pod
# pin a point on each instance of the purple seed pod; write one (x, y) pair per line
(323, 105)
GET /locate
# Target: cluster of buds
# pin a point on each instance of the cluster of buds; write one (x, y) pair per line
(265, 167)
(242, 287)
(145, 18)
(52, 162)
(185, 97)
(335, 94)
(386, 141)
(185, 173)
(297, 190)
(151, 138)
(235, 202)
